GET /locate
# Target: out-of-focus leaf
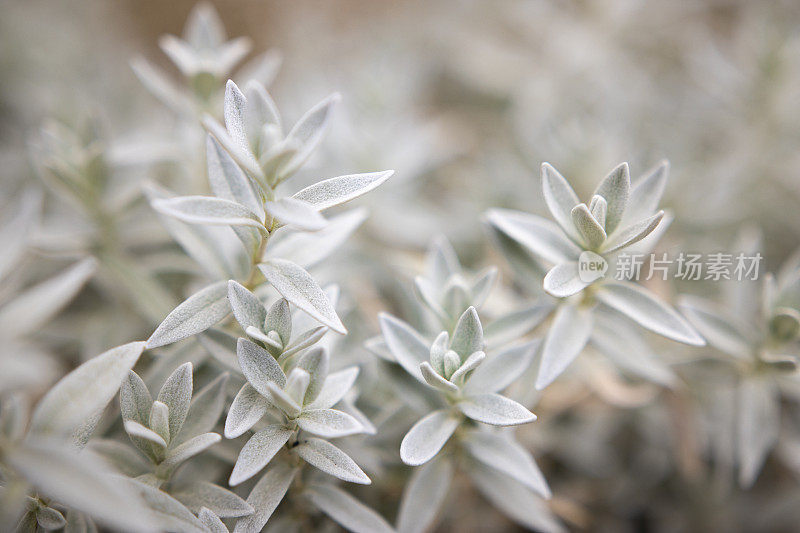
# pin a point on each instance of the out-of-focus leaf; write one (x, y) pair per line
(346, 510)
(265, 497)
(81, 395)
(424, 496)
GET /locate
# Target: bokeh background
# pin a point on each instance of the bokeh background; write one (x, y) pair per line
(465, 99)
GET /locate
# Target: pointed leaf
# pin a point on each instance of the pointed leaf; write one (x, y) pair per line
(247, 408)
(194, 315)
(297, 286)
(258, 366)
(424, 440)
(560, 199)
(564, 280)
(259, 451)
(615, 189)
(346, 510)
(758, 422)
(507, 456)
(588, 227)
(80, 396)
(208, 210)
(424, 496)
(190, 448)
(296, 213)
(246, 307)
(499, 371)
(537, 234)
(644, 308)
(436, 381)
(495, 410)
(468, 334)
(221, 501)
(328, 423)
(205, 409)
(336, 385)
(407, 346)
(265, 497)
(335, 191)
(331, 460)
(309, 130)
(568, 334)
(176, 393)
(633, 233)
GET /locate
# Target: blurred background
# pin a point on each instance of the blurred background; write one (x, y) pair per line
(464, 99)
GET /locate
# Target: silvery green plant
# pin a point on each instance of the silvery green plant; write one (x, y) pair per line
(619, 218)
(465, 382)
(758, 334)
(205, 58)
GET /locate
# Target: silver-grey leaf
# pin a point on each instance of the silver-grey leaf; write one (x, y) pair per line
(176, 393)
(560, 199)
(258, 451)
(648, 311)
(424, 440)
(407, 346)
(335, 191)
(194, 315)
(247, 408)
(297, 286)
(83, 393)
(498, 371)
(495, 409)
(424, 496)
(507, 456)
(190, 448)
(336, 385)
(535, 233)
(296, 213)
(346, 509)
(265, 497)
(568, 334)
(331, 460)
(468, 334)
(209, 210)
(615, 189)
(246, 307)
(328, 423)
(259, 367)
(223, 502)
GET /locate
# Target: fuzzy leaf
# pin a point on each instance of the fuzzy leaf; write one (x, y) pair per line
(424, 496)
(615, 189)
(247, 408)
(535, 233)
(81, 395)
(135, 429)
(316, 363)
(223, 502)
(328, 423)
(33, 308)
(633, 233)
(331, 460)
(436, 381)
(515, 500)
(296, 213)
(228, 181)
(407, 346)
(258, 366)
(190, 448)
(265, 497)
(208, 210)
(723, 333)
(646, 193)
(159, 420)
(560, 199)
(642, 307)
(468, 334)
(346, 510)
(336, 385)
(505, 455)
(308, 249)
(563, 280)
(588, 227)
(425, 438)
(308, 132)
(80, 481)
(495, 410)
(281, 398)
(297, 286)
(176, 393)
(499, 371)
(258, 451)
(335, 191)
(205, 409)
(246, 307)
(171, 514)
(567, 336)
(515, 324)
(196, 314)
(211, 521)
